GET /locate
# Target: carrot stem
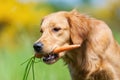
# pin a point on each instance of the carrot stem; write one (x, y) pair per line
(28, 67)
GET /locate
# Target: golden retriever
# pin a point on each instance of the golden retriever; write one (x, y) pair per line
(98, 57)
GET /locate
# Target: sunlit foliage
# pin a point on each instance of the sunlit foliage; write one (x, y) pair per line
(16, 18)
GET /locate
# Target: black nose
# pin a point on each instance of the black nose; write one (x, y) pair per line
(38, 46)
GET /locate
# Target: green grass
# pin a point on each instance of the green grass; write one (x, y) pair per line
(117, 37)
(11, 68)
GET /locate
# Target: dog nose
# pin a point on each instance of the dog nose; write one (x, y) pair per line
(38, 46)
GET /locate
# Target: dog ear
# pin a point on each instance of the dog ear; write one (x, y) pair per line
(78, 27)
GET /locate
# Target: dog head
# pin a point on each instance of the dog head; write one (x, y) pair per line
(60, 29)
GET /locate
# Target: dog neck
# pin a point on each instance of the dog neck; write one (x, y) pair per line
(77, 59)
(79, 63)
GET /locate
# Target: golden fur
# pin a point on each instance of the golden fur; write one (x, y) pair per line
(98, 58)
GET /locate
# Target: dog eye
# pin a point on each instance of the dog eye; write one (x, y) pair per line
(56, 29)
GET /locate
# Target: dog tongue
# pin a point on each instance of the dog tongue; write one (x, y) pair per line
(59, 49)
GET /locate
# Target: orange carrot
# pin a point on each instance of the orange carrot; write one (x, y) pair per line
(65, 48)
(38, 55)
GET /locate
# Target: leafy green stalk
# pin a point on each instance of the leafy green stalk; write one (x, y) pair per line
(30, 64)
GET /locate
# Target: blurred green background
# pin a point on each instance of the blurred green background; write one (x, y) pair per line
(19, 29)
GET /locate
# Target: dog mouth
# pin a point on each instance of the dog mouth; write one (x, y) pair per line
(57, 53)
(50, 58)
